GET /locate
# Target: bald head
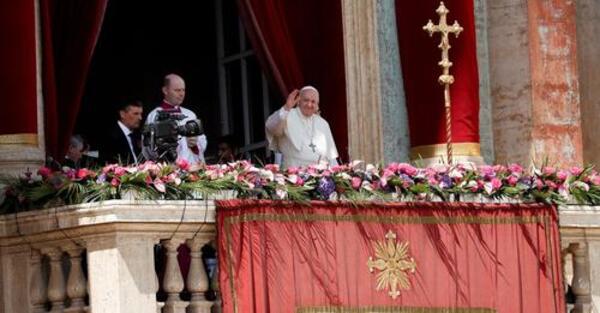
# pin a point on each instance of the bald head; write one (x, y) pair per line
(174, 89)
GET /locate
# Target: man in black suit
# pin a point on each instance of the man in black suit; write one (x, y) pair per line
(122, 144)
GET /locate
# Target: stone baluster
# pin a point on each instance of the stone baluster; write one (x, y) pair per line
(37, 286)
(197, 279)
(56, 283)
(159, 305)
(173, 281)
(76, 283)
(216, 308)
(581, 278)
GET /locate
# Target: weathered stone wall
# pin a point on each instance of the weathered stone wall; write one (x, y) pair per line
(588, 52)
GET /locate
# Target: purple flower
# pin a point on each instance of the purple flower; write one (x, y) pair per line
(326, 187)
(446, 181)
(101, 179)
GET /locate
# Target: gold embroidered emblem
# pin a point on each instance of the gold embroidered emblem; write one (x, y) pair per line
(393, 261)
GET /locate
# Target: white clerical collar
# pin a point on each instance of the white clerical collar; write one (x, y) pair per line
(124, 128)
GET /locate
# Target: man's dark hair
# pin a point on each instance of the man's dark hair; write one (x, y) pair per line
(124, 105)
(229, 140)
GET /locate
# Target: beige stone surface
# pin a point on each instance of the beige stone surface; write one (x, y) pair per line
(361, 55)
(510, 80)
(119, 236)
(535, 82)
(588, 50)
(121, 273)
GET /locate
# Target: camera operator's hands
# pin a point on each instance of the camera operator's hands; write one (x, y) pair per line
(192, 141)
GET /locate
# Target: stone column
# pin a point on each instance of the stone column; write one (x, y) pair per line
(173, 281)
(581, 278)
(16, 267)
(377, 122)
(37, 286)
(76, 283)
(197, 279)
(535, 82)
(361, 54)
(121, 273)
(57, 293)
(588, 47)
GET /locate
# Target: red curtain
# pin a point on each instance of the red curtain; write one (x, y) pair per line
(281, 257)
(300, 42)
(70, 30)
(18, 112)
(420, 55)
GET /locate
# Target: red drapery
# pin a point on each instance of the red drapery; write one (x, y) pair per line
(18, 112)
(70, 30)
(300, 42)
(420, 55)
(280, 257)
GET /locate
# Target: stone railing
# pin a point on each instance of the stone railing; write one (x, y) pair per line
(101, 257)
(580, 242)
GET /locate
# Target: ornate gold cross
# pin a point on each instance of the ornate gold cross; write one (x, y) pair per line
(446, 79)
(394, 262)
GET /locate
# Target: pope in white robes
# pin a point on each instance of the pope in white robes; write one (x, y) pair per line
(299, 133)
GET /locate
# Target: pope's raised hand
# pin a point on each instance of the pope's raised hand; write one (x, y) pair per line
(292, 100)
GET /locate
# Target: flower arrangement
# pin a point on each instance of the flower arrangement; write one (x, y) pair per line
(355, 181)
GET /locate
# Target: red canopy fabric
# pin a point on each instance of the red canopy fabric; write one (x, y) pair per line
(419, 55)
(18, 112)
(394, 257)
(70, 30)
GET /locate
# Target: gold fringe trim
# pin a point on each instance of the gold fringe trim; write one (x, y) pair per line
(375, 309)
(360, 218)
(440, 150)
(19, 139)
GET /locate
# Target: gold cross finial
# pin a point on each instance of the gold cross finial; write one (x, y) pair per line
(445, 79)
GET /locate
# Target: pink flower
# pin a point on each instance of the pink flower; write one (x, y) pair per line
(159, 185)
(487, 170)
(538, 183)
(562, 175)
(595, 180)
(272, 167)
(552, 185)
(83, 173)
(44, 172)
(299, 182)
(120, 171)
(515, 168)
(375, 185)
(499, 168)
(292, 170)
(575, 170)
(115, 182)
(338, 168)
(512, 180)
(496, 183)
(394, 167)
(432, 181)
(407, 169)
(548, 170)
(108, 168)
(183, 164)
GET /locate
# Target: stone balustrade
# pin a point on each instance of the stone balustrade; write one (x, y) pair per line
(101, 257)
(580, 243)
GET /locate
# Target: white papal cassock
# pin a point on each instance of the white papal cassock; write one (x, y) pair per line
(302, 140)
